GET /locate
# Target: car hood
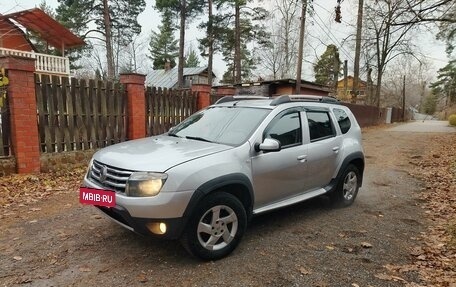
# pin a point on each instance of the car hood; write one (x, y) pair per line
(158, 153)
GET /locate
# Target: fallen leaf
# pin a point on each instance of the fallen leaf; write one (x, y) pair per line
(17, 258)
(304, 271)
(355, 285)
(84, 269)
(366, 245)
(330, 247)
(142, 278)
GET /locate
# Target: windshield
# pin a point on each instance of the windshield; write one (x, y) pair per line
(225, 125)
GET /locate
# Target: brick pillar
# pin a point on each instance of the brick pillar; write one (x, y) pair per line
(204, 95)
(136, 104)
(22, 105)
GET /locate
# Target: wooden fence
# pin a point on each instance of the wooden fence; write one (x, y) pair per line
(78, 114)
(166, 108)
(5, 130)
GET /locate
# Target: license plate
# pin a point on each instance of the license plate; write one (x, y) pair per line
(98, 197)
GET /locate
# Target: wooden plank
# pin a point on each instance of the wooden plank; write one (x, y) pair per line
(156, 116)
(79, 130)
(41, 113)
(93, 114)
(159, 108)
(60, 117)
(111, 116)
(85, 114)
(49, 105)
(104, 113)
(70, 130)
(124, 111)
(148, 111)
(119, 115)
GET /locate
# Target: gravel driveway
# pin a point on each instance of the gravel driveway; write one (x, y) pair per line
(58, 242)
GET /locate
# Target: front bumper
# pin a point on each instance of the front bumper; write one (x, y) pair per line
(136, 213)
(120, 215)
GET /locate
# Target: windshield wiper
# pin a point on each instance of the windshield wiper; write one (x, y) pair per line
(198, 139)
(173, 135)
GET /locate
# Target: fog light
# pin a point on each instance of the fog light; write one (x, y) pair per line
(157, 227)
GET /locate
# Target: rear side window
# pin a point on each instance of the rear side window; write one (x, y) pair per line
(343, 120)
(320, 125)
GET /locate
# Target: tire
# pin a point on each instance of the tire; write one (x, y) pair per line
(347, 188)
(216, 227)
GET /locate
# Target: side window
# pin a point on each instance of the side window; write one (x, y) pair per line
(320, 125)
(285, 128)
(343, 120)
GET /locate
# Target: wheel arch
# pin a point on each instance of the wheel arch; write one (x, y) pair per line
(357, 159)
(237, 184)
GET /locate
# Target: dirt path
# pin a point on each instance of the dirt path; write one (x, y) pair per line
(58, 242)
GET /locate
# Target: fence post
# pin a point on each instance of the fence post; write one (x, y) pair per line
(204, 95)
(22, 104)
(136, 104)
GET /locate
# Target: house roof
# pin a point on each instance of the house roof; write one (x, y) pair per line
(168, 79)
(46, 27)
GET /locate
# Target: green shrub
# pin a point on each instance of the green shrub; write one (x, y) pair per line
(452, 119)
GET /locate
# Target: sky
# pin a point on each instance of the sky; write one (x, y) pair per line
(320, 26)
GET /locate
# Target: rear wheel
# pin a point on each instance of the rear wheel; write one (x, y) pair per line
(216, 227)
(347, 188)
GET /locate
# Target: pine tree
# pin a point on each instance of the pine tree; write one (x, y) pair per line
(324, 69)
(191, 59)
(163, 46)
(112, 22)
(233, 37)
(445, 86)
(187, 10)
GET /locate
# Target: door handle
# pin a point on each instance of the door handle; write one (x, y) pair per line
(302, 158)
(335, 149)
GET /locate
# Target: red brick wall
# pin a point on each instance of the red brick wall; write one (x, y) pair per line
(136, 104)
(204, 92)
(22, 103)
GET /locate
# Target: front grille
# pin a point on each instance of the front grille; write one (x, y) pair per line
(113, 178)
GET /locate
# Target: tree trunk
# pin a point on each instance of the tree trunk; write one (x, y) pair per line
(301, 47)
(359, 27)
(378, 90)
(210, 37)
(108, 37)
(180, 66)
(237, 44)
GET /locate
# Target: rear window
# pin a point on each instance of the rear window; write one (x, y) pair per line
(320, 125)
(343, 120)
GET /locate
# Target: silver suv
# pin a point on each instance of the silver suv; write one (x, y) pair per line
(203, 180)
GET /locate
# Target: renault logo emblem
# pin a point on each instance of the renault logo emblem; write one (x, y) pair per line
(103, 173)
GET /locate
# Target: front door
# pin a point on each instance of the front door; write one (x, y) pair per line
(282, 174)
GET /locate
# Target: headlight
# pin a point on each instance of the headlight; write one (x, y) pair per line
(145, 183)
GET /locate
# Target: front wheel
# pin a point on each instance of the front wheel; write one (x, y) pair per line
(347, 188)
(216, 227)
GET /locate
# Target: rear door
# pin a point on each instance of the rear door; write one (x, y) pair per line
(324, 147)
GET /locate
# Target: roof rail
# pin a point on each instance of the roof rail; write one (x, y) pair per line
(303, 98)
(239, 98)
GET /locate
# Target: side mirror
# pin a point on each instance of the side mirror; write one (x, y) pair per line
(269, 145)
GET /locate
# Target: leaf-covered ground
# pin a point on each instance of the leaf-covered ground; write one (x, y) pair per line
(436, 168)
(19, 190)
